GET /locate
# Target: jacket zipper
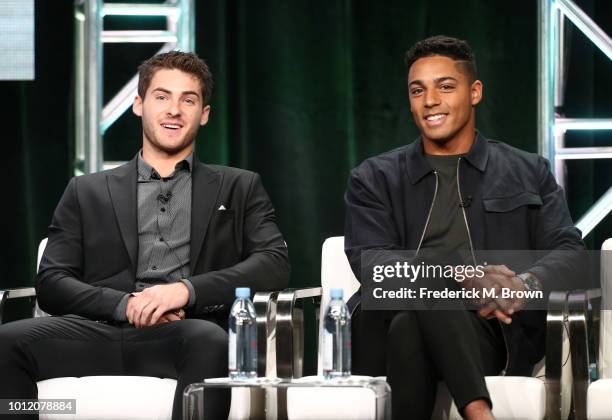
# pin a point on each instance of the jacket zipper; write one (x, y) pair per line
(428, 215)
(464, 216)
(467, 227)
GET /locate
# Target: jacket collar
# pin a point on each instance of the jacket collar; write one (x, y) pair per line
(122, 186)
(418, 166)
(206, 184)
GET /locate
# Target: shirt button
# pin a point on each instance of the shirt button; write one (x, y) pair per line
(163, 209)
(154, 268)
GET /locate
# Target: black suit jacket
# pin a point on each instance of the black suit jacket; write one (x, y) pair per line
(89, 263)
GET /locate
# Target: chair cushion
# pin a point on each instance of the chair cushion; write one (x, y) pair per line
(112, 397)
(126, 398)
(598, 400)
(513, 397)
(330, 403)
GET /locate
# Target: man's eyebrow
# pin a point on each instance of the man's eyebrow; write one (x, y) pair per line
(191, 92)
(437, 80)
(160, 89)
(187, 92)
(443, 78)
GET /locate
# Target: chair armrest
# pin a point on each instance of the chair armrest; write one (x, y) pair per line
(265, 312)
(290, 329)
(21, 292)
(578, 309)
(555, 333)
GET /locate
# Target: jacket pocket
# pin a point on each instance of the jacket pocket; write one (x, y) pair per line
(225, 214)
(507, 204)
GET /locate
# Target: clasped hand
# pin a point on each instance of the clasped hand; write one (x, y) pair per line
(496, 278)
(157, 304)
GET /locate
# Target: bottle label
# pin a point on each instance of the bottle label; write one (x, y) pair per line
(328, 352)
(232, 352)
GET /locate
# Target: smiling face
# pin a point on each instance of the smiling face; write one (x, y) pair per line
(172, 111)
(442, 101)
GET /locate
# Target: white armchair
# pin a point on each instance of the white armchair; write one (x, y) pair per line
(599, 392)
(513, 397)
(592, 398)
(138, 397)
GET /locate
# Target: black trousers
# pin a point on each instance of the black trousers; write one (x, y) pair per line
(416, 349)
(42, 348)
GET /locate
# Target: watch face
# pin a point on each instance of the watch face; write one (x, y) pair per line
(531, 283)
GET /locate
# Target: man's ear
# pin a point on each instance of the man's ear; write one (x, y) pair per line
(476, 92)
(205, 114)
(137, 106)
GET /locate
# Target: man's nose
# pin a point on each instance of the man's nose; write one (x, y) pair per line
(432, 98)
(173, 108)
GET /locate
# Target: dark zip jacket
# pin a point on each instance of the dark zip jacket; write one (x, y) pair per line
(514, 204)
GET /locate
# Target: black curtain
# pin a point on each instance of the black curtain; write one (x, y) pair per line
(305, 90)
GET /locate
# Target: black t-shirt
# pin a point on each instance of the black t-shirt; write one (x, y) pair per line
(446, 233)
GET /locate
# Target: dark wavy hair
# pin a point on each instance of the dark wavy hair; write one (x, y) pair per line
(457, 49)
(185, 61)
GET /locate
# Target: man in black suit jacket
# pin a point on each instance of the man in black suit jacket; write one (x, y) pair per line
(142, 261)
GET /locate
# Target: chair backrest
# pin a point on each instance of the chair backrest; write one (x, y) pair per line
(37, 313)
(41, 249)
(605, 325)
(336, 272)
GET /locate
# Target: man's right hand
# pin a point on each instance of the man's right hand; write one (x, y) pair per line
(490, 311)
(496, 277)
(171, 316)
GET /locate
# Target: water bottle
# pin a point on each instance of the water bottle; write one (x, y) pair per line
(335, 341)
(242, 337)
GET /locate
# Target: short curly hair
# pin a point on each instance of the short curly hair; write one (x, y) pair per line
(185, 61)
(457, 49)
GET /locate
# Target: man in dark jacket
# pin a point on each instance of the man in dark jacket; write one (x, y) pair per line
(452, 191)
(142, 260)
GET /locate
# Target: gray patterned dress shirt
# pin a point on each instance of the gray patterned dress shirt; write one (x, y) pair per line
(164, 223)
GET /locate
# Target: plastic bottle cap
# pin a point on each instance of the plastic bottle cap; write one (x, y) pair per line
(336, 293)
(243, 292)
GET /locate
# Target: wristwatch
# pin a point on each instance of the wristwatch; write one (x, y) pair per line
(530, 282)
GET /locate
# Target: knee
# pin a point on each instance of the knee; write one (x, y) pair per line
(10, 344)
(6, 342)
(404, 325)
(204, 335)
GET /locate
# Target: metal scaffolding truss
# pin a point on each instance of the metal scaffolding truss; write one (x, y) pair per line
(92, 119)
(552, 127)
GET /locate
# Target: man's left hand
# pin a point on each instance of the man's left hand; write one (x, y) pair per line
(153, 302)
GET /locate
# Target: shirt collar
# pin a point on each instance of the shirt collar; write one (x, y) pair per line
(146, 172)
(418, 166)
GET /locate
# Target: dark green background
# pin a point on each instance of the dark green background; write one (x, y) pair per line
(305, 90)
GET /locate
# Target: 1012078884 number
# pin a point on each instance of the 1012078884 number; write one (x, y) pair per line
(46, 406)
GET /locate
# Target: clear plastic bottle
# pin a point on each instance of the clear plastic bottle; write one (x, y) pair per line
(242, 337)
(336, 337)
